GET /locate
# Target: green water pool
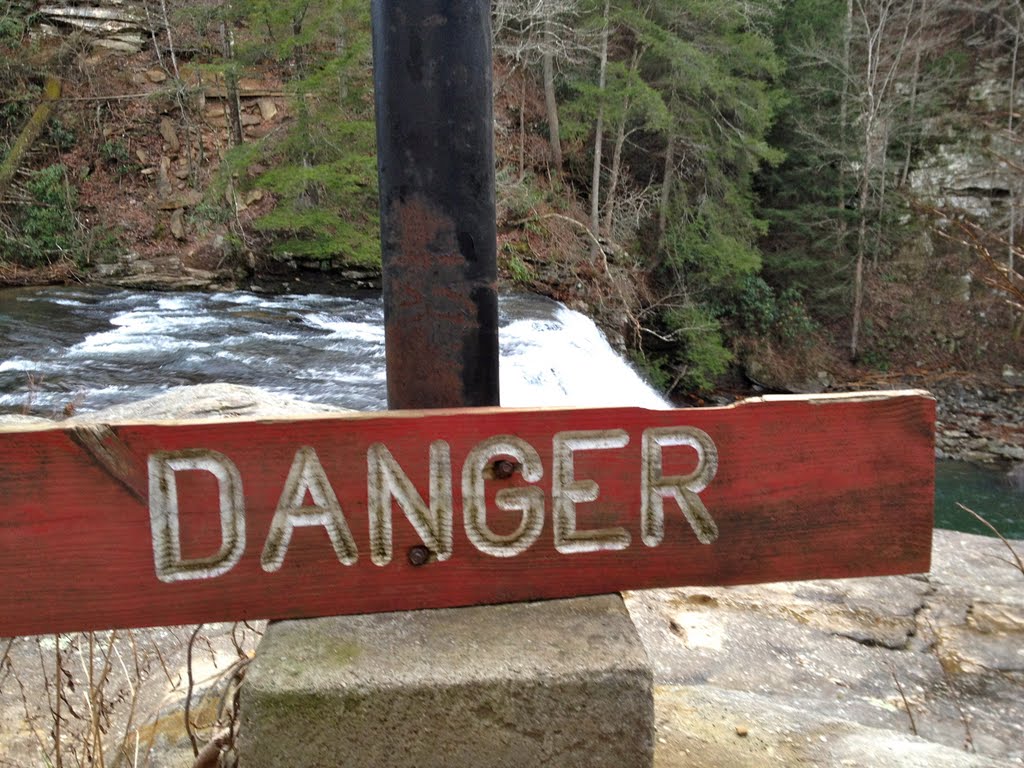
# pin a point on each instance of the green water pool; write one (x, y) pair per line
(984, 490)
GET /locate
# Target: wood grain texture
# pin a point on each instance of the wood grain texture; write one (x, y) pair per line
(819, 487)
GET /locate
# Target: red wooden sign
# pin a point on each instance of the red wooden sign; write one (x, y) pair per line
(186, 522)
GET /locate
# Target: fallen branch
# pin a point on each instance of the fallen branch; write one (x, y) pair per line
(973, 237)
(33, 128)
(578, 224)
(60, 272)
(189, 729)
(906, 703)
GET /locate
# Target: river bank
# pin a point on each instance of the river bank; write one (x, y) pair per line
(981, 423)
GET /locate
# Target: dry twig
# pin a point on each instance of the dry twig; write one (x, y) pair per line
(1017, 562)
(188, 696)
(903, 696)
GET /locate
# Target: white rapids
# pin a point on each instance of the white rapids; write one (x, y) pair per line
(94, 348)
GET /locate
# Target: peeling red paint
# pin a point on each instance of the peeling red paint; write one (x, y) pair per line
(601, 500)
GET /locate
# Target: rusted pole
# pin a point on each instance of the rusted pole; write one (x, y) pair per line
(435, 148)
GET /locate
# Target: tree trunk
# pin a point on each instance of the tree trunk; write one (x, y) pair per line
(170, 40)
(847, 71)
(340, 46)
(914, 86)
(522, 129)
(858, 307)
(844, 110)
(1011, 238)
(298, 62)
(1012, 232)
(882, 179)
(33, 128)
(613, 177)
(595, 185)
(666, 190)
(858, 277)
(234, 105)
(550, 103)
(620, 140)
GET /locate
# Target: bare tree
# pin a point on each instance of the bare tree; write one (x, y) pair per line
(234, 105)
(1003, 35)
(595, 184)
(1016, 29)
(877, 74)
(550, 102)
(620, 141)
(883, 28)
(532, 32)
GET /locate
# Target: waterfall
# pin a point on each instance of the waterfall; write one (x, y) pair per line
(96, 348)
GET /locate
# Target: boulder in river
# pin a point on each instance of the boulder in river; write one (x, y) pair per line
(1015, 477)
(200, 401)
(208, 401)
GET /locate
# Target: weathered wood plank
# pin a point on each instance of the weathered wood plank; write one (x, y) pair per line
(178, 522)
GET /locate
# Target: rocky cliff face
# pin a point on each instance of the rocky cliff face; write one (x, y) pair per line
(975, 161)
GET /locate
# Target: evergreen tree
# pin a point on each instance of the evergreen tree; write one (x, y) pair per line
(322, 170)
(692, 80)
(862, 78)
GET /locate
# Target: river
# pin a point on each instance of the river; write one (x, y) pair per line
(85, 349)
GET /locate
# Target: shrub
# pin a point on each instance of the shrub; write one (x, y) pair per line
(46, 228)
(701, 355)
(60, 135)
(115, 154)
(757, 310)
(518, 270)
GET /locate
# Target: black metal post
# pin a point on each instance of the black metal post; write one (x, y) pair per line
(435, 149)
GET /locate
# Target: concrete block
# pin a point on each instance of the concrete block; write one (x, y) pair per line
(556, 684)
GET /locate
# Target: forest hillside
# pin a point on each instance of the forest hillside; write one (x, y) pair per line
(791, 195)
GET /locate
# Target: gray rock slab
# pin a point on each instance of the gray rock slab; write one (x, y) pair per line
(17, 420)
(558, 683)
(939, 654)
(707, 727)
(749, 646)
(205, 401)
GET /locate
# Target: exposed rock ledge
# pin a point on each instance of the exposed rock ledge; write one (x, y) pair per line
(206, 401)
(811, 672)
(981, 424)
